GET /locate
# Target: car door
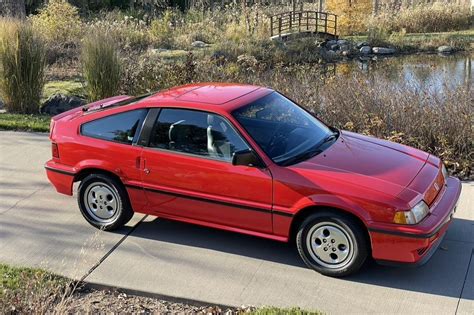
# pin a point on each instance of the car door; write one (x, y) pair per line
(188, 172)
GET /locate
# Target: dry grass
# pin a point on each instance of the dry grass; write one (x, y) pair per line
(437, 17)
(22, 63)
(439, 122)
(101, 67)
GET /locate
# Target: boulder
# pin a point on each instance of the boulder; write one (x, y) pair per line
(365, 50)
(344, 47)
(334, 47)
(383, 51)
(199, 44)
(330, 55)
(342, 42)
(445, 49)
(331, 42)
(60, 103)
(359, 45)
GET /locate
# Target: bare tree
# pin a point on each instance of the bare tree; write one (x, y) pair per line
(15, 8)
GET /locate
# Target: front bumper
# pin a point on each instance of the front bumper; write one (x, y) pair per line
(399, 244)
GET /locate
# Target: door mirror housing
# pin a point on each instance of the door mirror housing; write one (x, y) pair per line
(247, 157)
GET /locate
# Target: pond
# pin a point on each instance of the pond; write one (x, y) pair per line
(431, 73)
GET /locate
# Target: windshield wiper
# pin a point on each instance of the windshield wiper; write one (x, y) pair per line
(301, 157)
(329, 138)
(310, 153)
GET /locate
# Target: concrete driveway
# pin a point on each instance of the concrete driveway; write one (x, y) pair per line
(41, 228)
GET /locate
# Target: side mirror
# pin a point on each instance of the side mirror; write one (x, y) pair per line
(247, 158)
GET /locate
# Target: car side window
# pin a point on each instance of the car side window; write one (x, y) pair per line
(195, 132)
(122, 128)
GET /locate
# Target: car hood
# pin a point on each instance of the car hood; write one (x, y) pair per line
(365, 161)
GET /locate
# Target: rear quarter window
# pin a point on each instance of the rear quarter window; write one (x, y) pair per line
(123, 127)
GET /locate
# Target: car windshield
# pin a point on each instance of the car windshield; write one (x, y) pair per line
(285, 132)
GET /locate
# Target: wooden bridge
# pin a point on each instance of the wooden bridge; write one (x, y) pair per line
(288, 24)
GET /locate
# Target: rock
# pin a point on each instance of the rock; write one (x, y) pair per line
(334, 47)
(155, 51)
(342, 42)
(331, 42)
(361, 44)
(330, 54)
(346, 53)
(383, 51)
(365, 50)
(445, 49)
(344, 47)
(199, 44)
(60, 103)
(2, 105)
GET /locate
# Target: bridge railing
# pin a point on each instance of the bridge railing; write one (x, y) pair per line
(303, 21)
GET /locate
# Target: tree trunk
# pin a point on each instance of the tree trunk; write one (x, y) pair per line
(14, 8)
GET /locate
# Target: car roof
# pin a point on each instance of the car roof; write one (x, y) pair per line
(208, 96)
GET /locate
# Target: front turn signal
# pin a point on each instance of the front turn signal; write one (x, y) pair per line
(412, 216)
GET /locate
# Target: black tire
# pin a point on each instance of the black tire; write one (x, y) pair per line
(319, 230)
(106, 186)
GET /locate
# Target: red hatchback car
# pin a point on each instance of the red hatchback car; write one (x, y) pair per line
(247, 159)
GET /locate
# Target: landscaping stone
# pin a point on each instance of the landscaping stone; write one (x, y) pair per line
(359, 45)
(342, 42)
(344, 47)
(383, 51)
(346, 53)
(60, 103)
(445, 49)
(334, 47)
(199, 44)
(331, 42)
(331, 54)
(365, 50)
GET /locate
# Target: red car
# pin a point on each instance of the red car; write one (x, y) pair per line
(247, 159)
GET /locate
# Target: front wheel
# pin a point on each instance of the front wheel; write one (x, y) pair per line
(103, 202)
(332, 244)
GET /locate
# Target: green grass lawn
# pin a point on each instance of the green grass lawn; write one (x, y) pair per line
(19, 122)
(14, 279)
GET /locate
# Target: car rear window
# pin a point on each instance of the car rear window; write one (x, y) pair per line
(123, 128)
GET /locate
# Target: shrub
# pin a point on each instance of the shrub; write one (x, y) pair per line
(127, 31)
(59, 22)
(161, 29)
(22, 62)
(101, 66)
(147, 73)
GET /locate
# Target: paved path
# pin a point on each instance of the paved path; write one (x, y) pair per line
(39, 227)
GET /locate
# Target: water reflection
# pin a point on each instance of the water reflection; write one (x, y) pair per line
(430, 73)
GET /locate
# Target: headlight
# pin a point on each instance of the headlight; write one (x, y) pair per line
(413, 216)
(445, 172)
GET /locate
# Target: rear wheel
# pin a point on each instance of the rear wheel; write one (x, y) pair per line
(103, 202)
(332, 244)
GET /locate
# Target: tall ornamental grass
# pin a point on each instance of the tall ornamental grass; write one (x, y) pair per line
(101, 67)
(22, 65)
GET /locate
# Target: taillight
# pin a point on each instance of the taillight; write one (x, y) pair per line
(54, 150)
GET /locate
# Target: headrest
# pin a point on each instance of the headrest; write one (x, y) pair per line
(210, 119)
(173, 134)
